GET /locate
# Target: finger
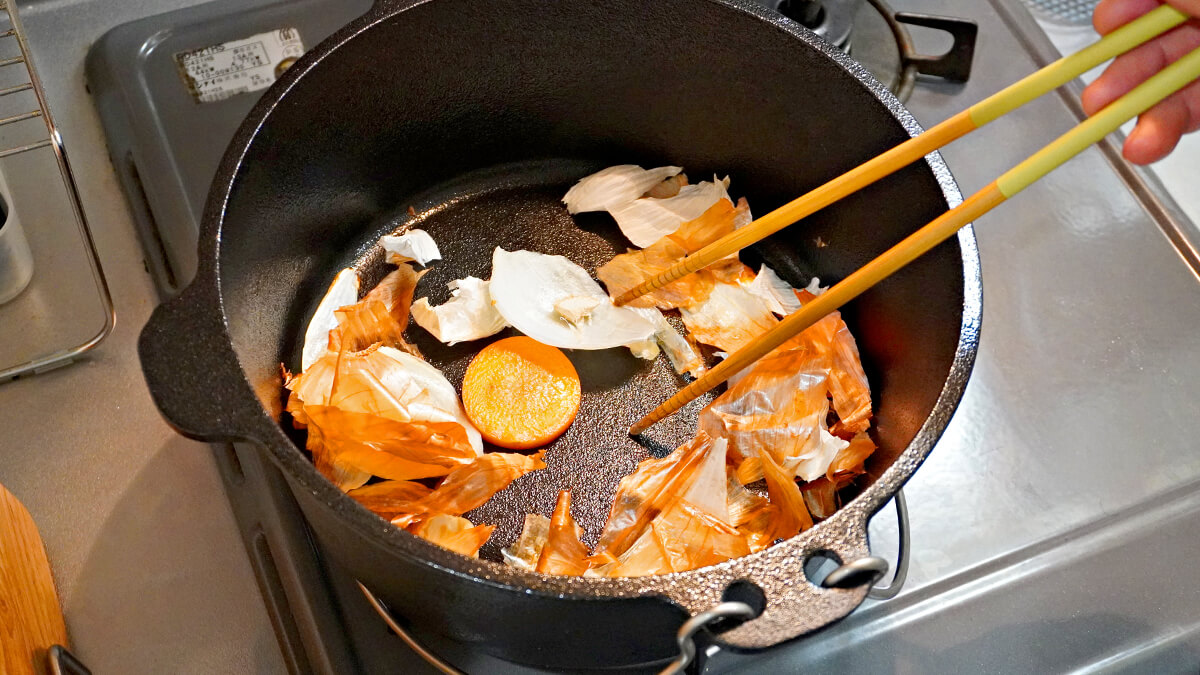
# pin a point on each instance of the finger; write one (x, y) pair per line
(1191, 96)
(1156, 135)
(1134, 67)
(1124, 73)
(1157, 131)
(1112, 14)
(1186, 6)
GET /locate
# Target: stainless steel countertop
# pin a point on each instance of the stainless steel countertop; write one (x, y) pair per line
(1083, 403)
(1083, 397)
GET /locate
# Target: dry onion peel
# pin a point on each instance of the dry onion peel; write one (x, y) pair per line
(389, 498)
(792, 516)
(563, 553)
(467, 315)
(342, 292)
(341, 474)
(526, 287)
(646, 220)
(527, 549)
(411, 246)
(454, 532)
(691, 537)
(708, 490)
(385, 447)
(848, 386)
(851, 460)
(820, 496)
(778, 407)
(380, 317)
(729, 318)
(629, 269)
(776, 293)
(384, 381)
(614, 186)
(751, 514)
(681, 538)
(468, 487)
(643, 494)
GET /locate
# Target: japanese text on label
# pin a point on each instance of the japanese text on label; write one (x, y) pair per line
(250, 64)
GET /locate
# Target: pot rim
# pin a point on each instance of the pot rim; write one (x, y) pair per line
(844, 532)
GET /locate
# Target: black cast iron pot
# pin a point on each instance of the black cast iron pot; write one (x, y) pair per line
(479, 115)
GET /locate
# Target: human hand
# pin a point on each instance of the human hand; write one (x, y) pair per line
(1158, 129)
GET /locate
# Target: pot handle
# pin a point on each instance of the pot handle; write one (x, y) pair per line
(854, 574)
(850, 574)
(192, 371)
(429, 657)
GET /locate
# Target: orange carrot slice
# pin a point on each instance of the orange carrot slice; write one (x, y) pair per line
(520, 393)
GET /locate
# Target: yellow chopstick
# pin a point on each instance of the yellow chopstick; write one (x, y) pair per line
(1166, 82)
(1121, 40)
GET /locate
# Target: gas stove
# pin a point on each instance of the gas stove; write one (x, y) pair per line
(878, 37)
(1057, 469)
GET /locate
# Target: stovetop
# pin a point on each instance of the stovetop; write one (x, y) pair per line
(1053, 525)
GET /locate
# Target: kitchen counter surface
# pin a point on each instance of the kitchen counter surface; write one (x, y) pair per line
(152, 573)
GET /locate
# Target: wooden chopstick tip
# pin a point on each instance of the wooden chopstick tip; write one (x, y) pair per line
(639, 427)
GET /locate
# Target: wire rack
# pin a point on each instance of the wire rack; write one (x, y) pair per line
(1072, 12)
(8, 14)
(19, 76)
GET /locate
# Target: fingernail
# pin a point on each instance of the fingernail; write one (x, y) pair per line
(1138, 147)
(1091, 98)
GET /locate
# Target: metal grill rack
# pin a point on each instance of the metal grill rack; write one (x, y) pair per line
(1071, 12)
(22, 98)
(8, 14)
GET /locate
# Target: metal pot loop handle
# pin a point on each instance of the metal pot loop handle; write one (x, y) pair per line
(865, 570)
(686, 637)
(872, 568)
(430, 658)
(849, 575)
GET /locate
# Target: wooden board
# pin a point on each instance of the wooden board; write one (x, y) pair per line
(30, 618)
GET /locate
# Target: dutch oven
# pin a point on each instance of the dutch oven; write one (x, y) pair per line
(479, 115)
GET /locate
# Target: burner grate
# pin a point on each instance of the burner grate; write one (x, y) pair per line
(1073, 12)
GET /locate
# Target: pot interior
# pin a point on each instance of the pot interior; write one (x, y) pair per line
(480, 115)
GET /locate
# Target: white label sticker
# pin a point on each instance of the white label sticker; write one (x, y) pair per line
(250, 64)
